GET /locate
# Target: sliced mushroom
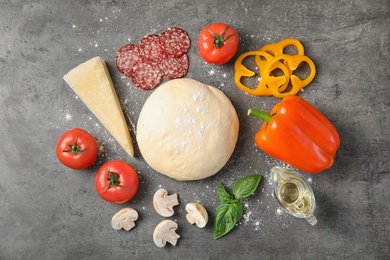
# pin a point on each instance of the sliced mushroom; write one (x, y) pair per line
(165, 232)
(163, 204)
(125, 219)
(197, 214)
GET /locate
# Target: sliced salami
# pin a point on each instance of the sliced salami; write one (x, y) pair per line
(126, 58)
(174, 67)
(150, 49)
(146, 76)
(175, 41)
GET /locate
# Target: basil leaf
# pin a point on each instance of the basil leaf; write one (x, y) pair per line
(223, 195)
(226, 217)
(246, 186)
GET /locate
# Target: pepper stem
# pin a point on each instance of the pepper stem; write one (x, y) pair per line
(259, 114)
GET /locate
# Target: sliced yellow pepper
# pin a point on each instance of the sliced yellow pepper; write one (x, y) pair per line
(269, 58)
(278, 48)
(262, 88)
(292, 62)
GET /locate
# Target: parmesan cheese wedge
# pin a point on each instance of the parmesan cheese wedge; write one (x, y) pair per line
(92, 83)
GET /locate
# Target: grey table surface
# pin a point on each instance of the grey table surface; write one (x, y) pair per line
(48, 211)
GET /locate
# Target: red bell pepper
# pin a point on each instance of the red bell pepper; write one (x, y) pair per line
(296, 133)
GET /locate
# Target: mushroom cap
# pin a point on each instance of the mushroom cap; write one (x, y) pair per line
(197, 214)
(163, 204)
(165, 232)
(125, 219)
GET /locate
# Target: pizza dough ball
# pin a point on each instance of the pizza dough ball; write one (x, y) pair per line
(187, 130)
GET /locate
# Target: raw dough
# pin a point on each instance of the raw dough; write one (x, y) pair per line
(187, 130)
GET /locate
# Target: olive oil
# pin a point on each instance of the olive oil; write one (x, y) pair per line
(294, 193)
(294, 198)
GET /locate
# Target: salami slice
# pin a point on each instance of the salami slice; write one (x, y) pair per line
(126, 58)
(146, 76)
(174, 67)
(175, 41)
(150, 49)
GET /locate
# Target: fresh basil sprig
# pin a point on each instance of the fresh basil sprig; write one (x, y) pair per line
(231, 209)
(223, 195)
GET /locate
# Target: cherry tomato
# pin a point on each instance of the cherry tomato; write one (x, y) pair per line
(116, 182)
(77, 149)
(217, 43)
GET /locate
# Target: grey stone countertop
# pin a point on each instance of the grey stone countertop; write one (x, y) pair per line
(48, 211)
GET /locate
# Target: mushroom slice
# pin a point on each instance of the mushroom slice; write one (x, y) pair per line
(125, 219)
(165, 232)
(197, 214)
(163, 204)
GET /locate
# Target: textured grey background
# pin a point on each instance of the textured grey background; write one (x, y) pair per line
(50, 212)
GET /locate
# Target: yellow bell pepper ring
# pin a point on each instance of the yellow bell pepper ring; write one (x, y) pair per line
(270, 49)
(241, 71)
(292, 61)
(280, 82)
(275, 82)
(278, 48)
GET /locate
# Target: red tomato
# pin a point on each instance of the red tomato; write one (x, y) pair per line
(77, 149)
(116, 182)
(217, 43)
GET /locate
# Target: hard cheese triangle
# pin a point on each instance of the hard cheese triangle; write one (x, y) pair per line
(93, 85)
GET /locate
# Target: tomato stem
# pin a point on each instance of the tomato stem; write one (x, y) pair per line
(219, 39)
(113, 180)
(74, 148)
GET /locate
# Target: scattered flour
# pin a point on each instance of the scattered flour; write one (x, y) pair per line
(279, 211)
(69, 117)
(211, 72)
(250, 219)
